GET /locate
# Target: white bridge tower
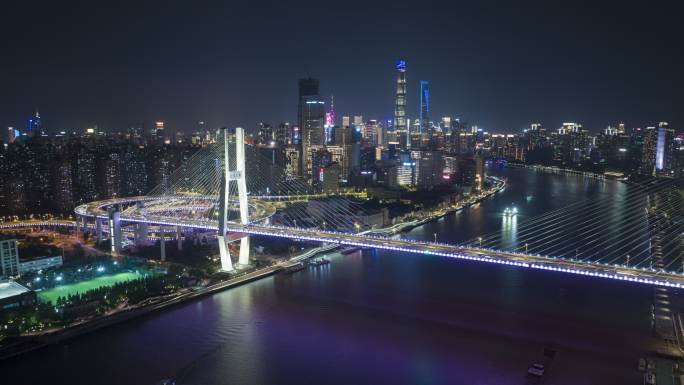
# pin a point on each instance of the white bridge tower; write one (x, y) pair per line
(238, 176)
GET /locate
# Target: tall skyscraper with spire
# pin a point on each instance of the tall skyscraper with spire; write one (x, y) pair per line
(330, 115)
(400, 106)
(34, 126)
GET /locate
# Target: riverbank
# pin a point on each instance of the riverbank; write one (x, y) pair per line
(557, 170)
(25, 344)
(463, 204)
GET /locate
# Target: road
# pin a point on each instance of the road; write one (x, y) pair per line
(600, 270)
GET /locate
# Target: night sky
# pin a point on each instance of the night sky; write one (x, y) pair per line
(498, 65)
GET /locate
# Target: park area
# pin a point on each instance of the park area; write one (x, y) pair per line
(84, 286)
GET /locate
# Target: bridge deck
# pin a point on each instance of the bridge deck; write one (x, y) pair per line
(587, 268)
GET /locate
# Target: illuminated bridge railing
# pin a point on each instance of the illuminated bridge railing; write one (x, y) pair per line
(589, 269)
(33, 223)
(642, 275)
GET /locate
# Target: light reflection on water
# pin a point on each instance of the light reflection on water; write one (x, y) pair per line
(509, 231)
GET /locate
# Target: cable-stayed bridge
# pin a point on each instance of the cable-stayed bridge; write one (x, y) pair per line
(233, 190)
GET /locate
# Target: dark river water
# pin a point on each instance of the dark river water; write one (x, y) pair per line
(384, 318)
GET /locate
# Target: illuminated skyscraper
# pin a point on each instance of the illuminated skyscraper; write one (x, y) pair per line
(330, 122)
(11, 134)
(424, 107)
(648, 154)
(34, 126)
(311, 116)
(400, 105)
(158, 130)
(313, 120)
(664, 148)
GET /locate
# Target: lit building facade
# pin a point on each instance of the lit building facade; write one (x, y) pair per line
(665, 149)
(400, 126)
(424, 108)
(9, 258)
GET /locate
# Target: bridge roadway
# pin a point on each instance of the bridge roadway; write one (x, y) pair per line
(616, 272)
(368, 239)
(37, 223)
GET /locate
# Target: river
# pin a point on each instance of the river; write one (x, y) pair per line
(384, 318)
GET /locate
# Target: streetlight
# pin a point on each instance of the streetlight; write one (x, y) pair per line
(480, 239)
(435, 237)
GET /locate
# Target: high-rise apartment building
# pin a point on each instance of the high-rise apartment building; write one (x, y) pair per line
(536, 135)
(85, 168)
(428, 168)
(63, 186)
(111, 184)
(342, 155)
(292, 161)
(283, 134)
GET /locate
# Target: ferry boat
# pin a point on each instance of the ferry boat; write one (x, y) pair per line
(319, 262)
(510, 211)
(293, 269)
(350, 250)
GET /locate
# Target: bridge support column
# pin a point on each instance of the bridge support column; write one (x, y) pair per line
(162, 243)
(179, 238)
(141, 228)
(141, 234)
(226, 263)
(244, 251)
(114, 231)
(79, 230)
(98, 229)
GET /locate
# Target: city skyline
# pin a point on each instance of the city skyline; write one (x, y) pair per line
(341, 193)
(540, 71)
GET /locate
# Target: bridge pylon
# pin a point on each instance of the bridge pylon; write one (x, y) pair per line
(114, 231)
(242, 191)
(238, 175)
